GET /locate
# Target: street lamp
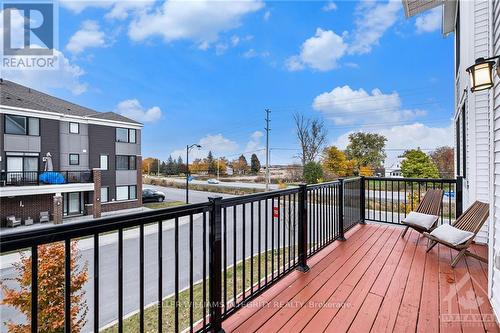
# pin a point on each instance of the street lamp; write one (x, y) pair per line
(481, 73)
(188, 148)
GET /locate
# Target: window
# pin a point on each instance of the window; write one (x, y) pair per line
(74, 159)
(131, 136)
(22, 163)
(128, 192)
(126, 135)
(74, 128)
(125, 162)
(22, 125)
(104, 194)
(122, 135)
(104, 162)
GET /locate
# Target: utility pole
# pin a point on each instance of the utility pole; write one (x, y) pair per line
(268, 129)
(158, 169)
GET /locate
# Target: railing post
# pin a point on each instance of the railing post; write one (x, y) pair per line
(215, 265)
(302, 229)
(341, 210)
(459, 197)
(362, 202)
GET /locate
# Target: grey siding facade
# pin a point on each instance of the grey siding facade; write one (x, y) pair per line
(49, 133)
(102, 142)
(72, 143)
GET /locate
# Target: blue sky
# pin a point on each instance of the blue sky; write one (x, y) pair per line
(204, 72)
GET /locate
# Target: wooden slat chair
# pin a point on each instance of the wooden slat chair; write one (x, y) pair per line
(431, 205)
(471, 220)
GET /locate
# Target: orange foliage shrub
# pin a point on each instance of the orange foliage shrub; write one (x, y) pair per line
(50, 290)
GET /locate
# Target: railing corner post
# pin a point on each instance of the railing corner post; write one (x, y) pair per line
(459, 198)
(215, 265)
(362, 200)
(302, 229)
(341, 210)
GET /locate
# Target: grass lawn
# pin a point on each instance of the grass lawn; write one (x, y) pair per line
(164, 204)
(131, 324)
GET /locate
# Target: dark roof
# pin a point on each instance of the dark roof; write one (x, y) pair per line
(16, 95)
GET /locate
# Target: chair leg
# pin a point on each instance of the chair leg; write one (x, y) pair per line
(404, 232)
(458, 257)
(430, 245)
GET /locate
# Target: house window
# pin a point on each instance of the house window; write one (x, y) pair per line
(128, 192)
(131, 136)
(104, 194)
(74, 128)
(104, 162)
(22, 125)
(125, 162)
(126, 135)
(74, 159)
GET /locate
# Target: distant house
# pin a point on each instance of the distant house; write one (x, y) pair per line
(393, 170)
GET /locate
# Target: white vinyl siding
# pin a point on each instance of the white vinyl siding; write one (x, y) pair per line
(494, 275)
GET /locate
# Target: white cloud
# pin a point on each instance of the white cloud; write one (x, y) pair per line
(429, 22)
(267, 15)
(255, 141)
(411, 136)
(320, 52)
(89, 35)
(374, 18)
(66, 76)
(330, 6)
(131, 108)
(217, 144)
(251, 53)
(344, 106)
(119, 9)
(200, 21)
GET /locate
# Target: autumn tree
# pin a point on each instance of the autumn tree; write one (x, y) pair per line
(240, 165)
(417, 164)
(311, 134)
(366, 148)
(51, 288)
(254, 163)
(334, 161)
(181, 167)
(444, 159)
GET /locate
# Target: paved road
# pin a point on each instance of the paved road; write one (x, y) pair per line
(222, 184)
(108, 258)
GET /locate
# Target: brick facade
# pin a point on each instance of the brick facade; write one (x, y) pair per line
(26, 206)
(58, 209)
(96, 198)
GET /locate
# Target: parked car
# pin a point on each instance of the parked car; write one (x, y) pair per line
(150, 195)
(213, 181)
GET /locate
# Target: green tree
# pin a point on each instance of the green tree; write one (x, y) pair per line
(171, 167)
(211, 164)
(254, 163)
(366, 148)
(417, 164)
(313, 172)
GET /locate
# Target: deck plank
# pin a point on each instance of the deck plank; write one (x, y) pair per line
(389, 283)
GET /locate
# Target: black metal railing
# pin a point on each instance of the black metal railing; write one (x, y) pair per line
(391, 199)
(24, 178)
(205, 260)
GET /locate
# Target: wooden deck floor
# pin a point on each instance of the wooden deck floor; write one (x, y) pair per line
(375, 281)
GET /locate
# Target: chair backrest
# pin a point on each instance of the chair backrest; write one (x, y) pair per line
(44, 214)
(473, 218)
(431, 202)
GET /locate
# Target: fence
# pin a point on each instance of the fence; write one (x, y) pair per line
(197, 264)
(391, 199)
(23, 178)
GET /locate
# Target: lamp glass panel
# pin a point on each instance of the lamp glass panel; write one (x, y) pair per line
(482, 75)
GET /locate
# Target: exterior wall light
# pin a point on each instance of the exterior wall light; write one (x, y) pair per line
(481, 73)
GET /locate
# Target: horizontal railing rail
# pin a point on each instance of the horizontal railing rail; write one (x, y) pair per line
(209, 259)
(26, 178)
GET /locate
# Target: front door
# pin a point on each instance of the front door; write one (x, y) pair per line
(72, 203)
